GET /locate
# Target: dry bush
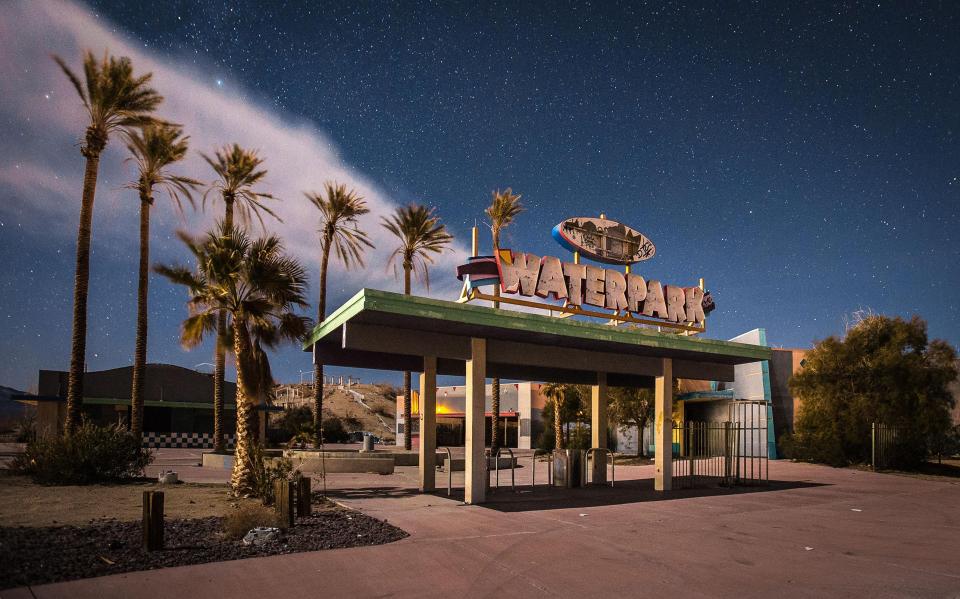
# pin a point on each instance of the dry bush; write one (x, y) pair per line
(248, 516)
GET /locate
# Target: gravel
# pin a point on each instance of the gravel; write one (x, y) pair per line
(34, 555)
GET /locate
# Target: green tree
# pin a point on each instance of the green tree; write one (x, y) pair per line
(238, 171)
(340, 210)
(259, 287)
(155, 147)
(422, 236)
(114, 99)
(883, 370)
(503, 209)
(632, 406)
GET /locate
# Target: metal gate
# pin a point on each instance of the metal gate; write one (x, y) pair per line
(723, 453)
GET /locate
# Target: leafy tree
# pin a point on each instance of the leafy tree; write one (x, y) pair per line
(155, 147)
(259, 287)
(115, 99)
(422, 236)
(504, 207)
(238, 171)
(632, 406)
(883, 370)
(340, 210)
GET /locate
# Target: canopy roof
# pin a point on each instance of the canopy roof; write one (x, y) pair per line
(390, 331)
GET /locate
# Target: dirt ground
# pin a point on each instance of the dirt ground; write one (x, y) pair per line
(23, 503)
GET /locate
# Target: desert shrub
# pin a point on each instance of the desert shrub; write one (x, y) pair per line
(27, 428)
(247, 516)
(92, 454)
(884, 370)
(333, 431)
(267, 471)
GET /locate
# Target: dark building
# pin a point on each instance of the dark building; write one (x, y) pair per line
(178, 403)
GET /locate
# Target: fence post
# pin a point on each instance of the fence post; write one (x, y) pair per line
(727, 452)
(873, 445)
(303, 497)
(153, 520)
(283, 496)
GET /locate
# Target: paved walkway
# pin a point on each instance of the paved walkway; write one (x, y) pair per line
(815, 531)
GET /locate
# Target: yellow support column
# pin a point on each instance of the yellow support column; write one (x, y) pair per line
(475, 470)
(428, 424)
(663, 427)
(598, 427)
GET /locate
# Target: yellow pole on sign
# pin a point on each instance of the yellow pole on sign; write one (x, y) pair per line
(474, 244)
(576, 257)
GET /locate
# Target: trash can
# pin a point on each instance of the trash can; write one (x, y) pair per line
(568, 468)
(367, 443)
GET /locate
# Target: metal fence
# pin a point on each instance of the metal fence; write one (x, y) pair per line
(723, 453)
(883, 444)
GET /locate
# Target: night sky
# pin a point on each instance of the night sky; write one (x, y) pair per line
(804, 159)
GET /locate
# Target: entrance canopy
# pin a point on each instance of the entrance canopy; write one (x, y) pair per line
(390, 331)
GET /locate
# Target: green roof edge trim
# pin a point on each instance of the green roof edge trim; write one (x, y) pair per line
(411, 305)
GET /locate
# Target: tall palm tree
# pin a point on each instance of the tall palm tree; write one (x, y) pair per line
(155, 147)
(421, 235)
(556, 392)
(238, 171)
(339, 230)
(114, 99)
(259, 287)
(503, 208)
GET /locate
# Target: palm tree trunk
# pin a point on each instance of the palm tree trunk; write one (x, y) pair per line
(495, 396)
(407, 417)
(241, 479)
(557, 427)
(140, 350)
(220, 358)
(318, 366)
(78, 347)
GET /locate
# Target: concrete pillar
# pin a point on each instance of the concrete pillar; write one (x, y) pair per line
(475, 471)
(663, 427)
(428, 424)
(598, 427)
(525, 416)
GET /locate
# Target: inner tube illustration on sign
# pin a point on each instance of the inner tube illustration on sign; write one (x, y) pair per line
(604, 240)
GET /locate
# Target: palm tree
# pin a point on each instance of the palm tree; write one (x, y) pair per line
(339, 210)
(154, 148)
(556, 392)
(504, 207)
(238, 171)
(114, 99)
(259, 287)
(421, 234)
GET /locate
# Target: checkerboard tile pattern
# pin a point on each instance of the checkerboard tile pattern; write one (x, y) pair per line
(189, 440)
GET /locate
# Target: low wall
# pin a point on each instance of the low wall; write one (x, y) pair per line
(341, 462)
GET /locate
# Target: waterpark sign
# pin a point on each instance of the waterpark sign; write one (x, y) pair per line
(622, 296)
(582, 284)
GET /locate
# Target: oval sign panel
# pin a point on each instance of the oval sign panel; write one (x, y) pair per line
(604, 240)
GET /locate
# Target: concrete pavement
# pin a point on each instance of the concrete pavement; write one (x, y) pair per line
(814, 531)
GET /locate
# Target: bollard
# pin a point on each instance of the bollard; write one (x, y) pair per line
(304, 509)
(284, 494)
(153, 520)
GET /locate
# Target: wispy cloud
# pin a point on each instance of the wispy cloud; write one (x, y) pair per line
(42, 167)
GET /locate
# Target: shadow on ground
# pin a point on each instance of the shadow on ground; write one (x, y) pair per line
(631, 491)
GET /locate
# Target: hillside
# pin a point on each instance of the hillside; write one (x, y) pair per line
(11, 412)
(378, 416)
